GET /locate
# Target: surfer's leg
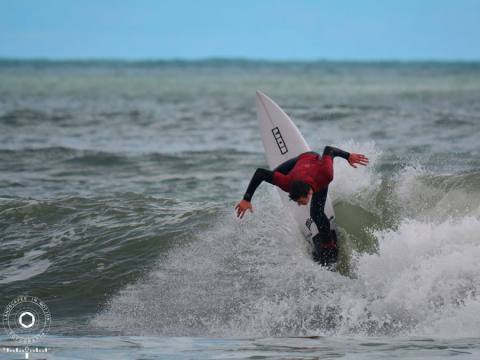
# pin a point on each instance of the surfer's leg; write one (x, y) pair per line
(317, 207)
(324, 247)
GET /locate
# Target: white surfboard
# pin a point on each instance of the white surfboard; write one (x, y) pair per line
(283, 141)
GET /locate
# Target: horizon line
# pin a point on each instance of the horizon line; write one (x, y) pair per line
(230, 59)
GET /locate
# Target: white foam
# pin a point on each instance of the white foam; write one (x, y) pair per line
(357, 182)
(423, 270)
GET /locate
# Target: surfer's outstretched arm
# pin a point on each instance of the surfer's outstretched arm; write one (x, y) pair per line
(334, 152)
(352, 158)
(257, 178)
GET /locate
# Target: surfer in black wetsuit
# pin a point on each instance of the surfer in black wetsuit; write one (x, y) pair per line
(306, 177)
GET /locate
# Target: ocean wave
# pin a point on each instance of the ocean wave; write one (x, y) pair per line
(200, 271)
(255, 277)
(71, 156)
(86, 248)
(26, 116)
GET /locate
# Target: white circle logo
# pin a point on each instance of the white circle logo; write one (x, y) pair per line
(26, 319)
(26, 314)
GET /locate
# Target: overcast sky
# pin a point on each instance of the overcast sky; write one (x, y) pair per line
(258, 29)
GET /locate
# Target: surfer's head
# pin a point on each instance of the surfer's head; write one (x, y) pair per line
(300, 192)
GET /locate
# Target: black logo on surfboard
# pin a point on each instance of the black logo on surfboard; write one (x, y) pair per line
(277, 135)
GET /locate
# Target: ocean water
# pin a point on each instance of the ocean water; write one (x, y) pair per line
(117, 187)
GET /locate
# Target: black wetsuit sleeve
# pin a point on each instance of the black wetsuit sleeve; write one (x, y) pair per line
(257, 178)
(333, 152)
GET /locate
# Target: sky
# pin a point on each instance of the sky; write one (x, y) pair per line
(254, 29)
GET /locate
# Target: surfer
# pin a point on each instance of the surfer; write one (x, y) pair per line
(306, 177)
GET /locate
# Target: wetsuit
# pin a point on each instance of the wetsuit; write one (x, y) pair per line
(318, 173)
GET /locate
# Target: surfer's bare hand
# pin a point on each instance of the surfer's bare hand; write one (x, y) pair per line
(242, 208)
(357, 159)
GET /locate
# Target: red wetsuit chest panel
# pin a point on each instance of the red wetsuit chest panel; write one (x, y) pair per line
(310, 168)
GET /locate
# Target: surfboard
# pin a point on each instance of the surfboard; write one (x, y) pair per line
(283, 141)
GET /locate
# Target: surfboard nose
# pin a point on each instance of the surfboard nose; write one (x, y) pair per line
(259, 93)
